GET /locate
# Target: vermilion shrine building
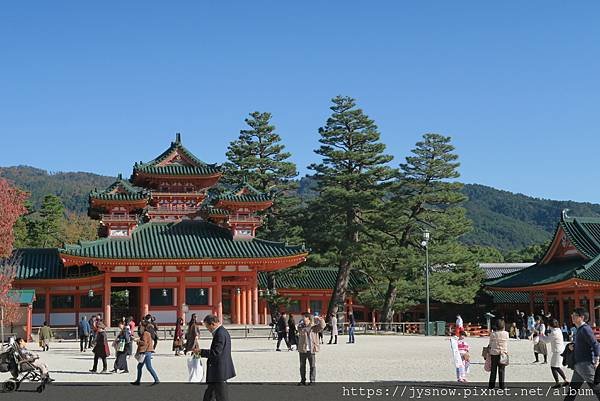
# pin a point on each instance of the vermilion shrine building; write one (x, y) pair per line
(167, 249)
(568, 276)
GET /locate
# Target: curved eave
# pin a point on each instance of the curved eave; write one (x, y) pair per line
(262, 264)
(564, 285)
(97, 278)
(262, 205)
(144, 174)
(99, 201)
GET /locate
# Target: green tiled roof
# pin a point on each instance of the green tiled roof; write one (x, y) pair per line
(198, 167)
(584, 233)
(215, 210)
(314, 278)
(539, 274)
(120, 190)
(23, 297)
(245, 192)
(45, 263)
(187, 239)
(507, 297)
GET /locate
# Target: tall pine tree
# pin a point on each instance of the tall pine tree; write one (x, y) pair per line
(351, 179)
(424, 196)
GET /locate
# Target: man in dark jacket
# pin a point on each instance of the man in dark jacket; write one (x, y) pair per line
(586, 352)
(219, 365)
(282, 331)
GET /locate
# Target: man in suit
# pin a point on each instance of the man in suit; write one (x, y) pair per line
(220, 365)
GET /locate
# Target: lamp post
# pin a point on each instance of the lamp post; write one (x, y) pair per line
(425, 244)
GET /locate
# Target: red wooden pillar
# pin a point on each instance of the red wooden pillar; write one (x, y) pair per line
(265, 312)
(106, 318)
(249, 303)
(47, 306)
(238, 307)
(576, 297)
(244, 307)
(181, 296)
(29, 323)
(145, 304)
(255, 299)
(219, 297)
(233, 309)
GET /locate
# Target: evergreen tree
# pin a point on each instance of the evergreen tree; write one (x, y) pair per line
(424, 197)
(351, 179)
(259, 157)
(46, 230)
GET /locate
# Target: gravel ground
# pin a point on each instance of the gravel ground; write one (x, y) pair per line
(371, 358)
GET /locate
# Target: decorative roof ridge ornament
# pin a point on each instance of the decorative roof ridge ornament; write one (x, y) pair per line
(564, 214)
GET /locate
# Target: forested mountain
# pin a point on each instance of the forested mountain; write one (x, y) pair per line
(72, 187)
(501, 219)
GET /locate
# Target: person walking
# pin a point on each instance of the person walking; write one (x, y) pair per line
(351, 325)
(178, 337)
(122, 344)
(101, 349)
(557, 345)
(586, 352)
(83, 331)
(292, 332)
(458, 326)
(145, 349)
(498, 352)
(539, 345)
(44, 335)
(282, 331)
(308, 345)
(219, 367)
(334, 328)
(192, 335)
(530, 325)
(92, 337)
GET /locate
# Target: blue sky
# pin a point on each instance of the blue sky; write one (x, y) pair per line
(96, 86)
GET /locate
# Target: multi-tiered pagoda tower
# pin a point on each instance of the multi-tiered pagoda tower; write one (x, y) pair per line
(167, 248)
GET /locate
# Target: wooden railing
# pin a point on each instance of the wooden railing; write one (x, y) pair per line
(119, 217)
(244, 219)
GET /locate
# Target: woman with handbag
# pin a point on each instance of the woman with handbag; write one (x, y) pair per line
(557, 345)
(539, 345)
(178, 337)
(498, 353)
(144, 354)
(122, 343)
(101, 349)
(192, 335)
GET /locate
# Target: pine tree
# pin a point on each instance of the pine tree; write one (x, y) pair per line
(351, 179)
(47, 229)
(259, 157)
(425, 197)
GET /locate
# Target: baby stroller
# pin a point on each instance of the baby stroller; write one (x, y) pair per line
(11, 360)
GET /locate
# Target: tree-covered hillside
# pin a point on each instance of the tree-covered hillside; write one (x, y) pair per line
(501, 219)
(71, 187)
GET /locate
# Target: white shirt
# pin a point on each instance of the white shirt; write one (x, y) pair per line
(459, 322)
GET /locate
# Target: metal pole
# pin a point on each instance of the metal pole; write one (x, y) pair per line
(427, 288)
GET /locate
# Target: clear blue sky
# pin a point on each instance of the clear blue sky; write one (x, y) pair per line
(95, 86)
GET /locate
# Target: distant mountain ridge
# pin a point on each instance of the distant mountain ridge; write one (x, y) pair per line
(501, 219)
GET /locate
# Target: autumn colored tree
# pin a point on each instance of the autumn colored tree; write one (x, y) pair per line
(12, 205)
(79, 227)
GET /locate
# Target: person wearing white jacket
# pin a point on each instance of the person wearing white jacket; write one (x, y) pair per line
(557, 345)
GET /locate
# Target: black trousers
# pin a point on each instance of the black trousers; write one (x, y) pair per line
(556, 372)
(281, 336)
(496, 368)
(304, 356)
(83, 342)
(216, 392)
(96, 357)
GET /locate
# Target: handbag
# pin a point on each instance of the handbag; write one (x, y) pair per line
(503, 359)
(487, 366)
(121, 346)
(140, 357)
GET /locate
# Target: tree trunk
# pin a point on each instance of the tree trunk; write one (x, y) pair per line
(341, 285)
(273, 307)
(387, 313)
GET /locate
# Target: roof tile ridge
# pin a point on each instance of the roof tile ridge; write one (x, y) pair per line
(588, 235)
